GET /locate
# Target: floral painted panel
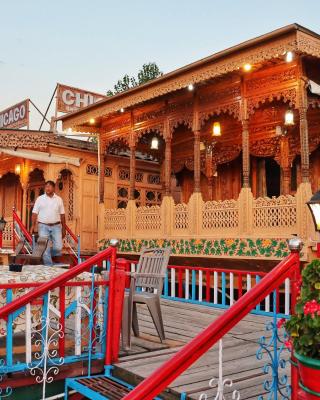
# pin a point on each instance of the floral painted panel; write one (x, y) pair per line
(241, 247)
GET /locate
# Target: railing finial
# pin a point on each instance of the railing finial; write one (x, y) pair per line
(295, 244)
(114, 242)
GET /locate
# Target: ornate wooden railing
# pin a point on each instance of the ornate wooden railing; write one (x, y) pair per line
(242, 218)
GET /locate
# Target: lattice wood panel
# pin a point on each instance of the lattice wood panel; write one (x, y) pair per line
(148, 218)
(275, 213)
(115, 220)
(220, 215)
(181, 216)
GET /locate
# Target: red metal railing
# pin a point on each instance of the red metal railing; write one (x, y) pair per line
(72, 250)
(116, 284)
(16, 220)
(191, 352)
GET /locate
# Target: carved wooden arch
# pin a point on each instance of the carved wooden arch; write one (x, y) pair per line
(124, 140)
(138, 134)
(181, 120)
(232, 110)
(286, 96)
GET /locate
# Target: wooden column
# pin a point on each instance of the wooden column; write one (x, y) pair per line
(101, 159)
(167, 168)
(304, 144)
(285, 165)
(196, 150)
(304, 136)
(245, 154)
(132, 170)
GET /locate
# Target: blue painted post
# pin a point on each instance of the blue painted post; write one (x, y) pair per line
(79, 249)
(257, 281)
(45, 310)
(193, 285)
(9, 339)
(33, 241)
(223, 288)
(91, 319)
(166, 284)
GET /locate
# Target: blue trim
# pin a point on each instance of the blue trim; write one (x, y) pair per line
(70, 309)
(9, 338)
(257, 281)
(193, 285)
(79, 250)
(84, 390)
(223, 288)
(166, 283)
(204, 303)
(72, 383)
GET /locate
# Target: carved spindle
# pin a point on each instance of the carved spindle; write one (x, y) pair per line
(304, 144)
(132, 171)
(102, 145)
(197, 188)
(245, 154)
(167, 171)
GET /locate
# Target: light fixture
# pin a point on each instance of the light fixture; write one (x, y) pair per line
(190, 87)
(314, 207)
(202, 146)
(92, 120)
(289, 118)
(247, 67)
(121, 110)
(155, 143)
(289, 56)
(216, 129)
(17, 169)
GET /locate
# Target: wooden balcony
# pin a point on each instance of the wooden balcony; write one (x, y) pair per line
(245, 227)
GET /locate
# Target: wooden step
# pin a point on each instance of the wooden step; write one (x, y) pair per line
(105, 386)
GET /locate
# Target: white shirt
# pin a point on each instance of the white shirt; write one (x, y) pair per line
(49, 209)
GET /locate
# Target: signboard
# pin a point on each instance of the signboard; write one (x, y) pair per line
(15, 116)
(72, 99)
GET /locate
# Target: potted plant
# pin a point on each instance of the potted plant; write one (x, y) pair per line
(303, 329)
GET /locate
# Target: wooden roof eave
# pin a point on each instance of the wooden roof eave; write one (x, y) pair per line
(272, 45)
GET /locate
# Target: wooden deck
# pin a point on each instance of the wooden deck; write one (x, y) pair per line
(182, 322)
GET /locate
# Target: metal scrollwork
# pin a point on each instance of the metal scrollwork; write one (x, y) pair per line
(277, 386)
(46, 361)
(7, 391)
(220, 383)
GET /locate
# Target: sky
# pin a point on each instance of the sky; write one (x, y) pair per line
(92, 44)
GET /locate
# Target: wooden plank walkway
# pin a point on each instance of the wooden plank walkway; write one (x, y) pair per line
(182, 322)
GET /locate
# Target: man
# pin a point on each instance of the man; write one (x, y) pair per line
(49, 212)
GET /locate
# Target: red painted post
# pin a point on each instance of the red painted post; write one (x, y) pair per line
(120, 281)
(180, 294)
(109, 340)
(240, 292)
(296, 277)
(208, 285)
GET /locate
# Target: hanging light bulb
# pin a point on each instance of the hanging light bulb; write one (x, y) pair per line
(190, 87)
(216, 129)
(17, 169)
(154, 143)
(289, 118)
(289, 56)
(247, 67)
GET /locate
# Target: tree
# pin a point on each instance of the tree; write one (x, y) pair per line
(146, 73)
